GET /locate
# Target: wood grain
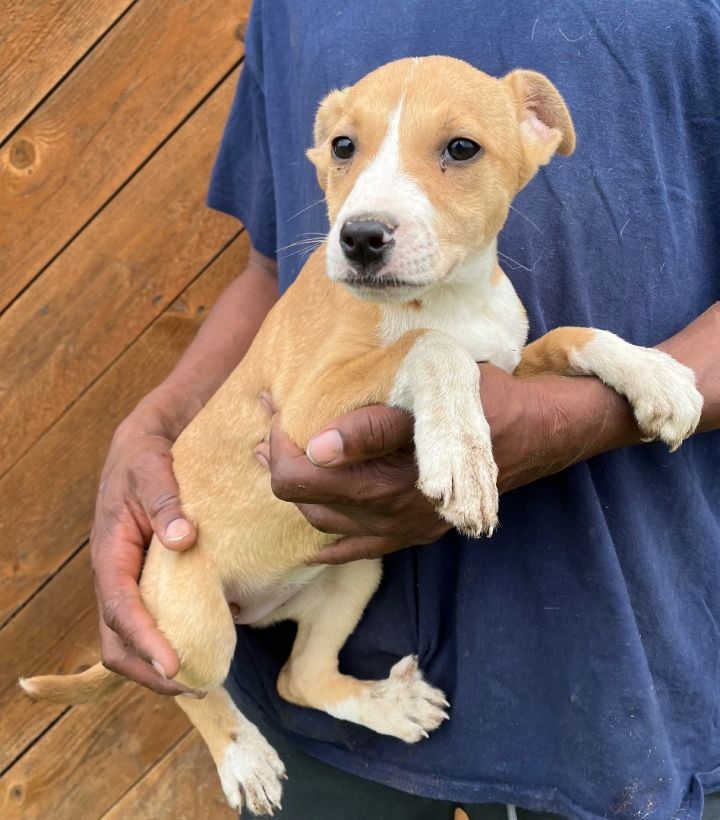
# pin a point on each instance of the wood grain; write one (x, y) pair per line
(114, 279)
(55, 633)
(40, 41)
(183, 786)
(110, 115)
(92, 755)
(85, 141)
(46, 500)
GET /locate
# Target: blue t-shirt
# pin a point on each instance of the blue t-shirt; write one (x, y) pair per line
(580, 646)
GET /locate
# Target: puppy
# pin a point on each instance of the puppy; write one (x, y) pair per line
(419, 162)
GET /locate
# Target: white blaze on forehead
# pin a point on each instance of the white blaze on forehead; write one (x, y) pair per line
(385, 191)
(383, 187)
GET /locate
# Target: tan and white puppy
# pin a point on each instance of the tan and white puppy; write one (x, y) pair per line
(419, 161)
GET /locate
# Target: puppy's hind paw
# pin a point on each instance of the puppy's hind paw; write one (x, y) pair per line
(251, 774)
(404, 705)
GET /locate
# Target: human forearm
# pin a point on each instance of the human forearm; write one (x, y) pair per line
(577, 418)
(220, 344)
(698, 347)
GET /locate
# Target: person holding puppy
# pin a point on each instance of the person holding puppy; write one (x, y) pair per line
(579, 644)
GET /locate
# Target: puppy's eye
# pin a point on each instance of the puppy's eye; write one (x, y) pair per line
(343, 147)
(462, 149)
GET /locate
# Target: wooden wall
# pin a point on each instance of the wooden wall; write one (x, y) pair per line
(111, 112)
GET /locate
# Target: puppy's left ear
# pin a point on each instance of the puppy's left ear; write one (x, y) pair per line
(328, 113)
(545, 124)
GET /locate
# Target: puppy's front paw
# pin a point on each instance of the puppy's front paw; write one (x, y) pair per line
(664, 399)
(251, 773)
(460, 474)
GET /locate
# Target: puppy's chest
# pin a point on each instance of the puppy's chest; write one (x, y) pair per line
(491, 325)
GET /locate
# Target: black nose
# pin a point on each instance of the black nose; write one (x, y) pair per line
(365, 241)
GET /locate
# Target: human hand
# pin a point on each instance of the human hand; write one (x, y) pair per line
(369, 493)
(138, 495)
(359, 475)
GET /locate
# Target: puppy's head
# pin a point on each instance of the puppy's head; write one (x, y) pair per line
(420, 161)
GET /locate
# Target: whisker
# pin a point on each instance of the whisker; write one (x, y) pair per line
(526, 218)
(313, 240)
(303, 253)
(307, 208)
(305, 246)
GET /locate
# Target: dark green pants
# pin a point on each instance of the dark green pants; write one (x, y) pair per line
(316, 791)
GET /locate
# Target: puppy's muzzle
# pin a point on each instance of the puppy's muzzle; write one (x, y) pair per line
(366, 244)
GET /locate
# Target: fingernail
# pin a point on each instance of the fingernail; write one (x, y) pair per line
(325, 448)
(158, 667)
(193, 694)
(177, 530)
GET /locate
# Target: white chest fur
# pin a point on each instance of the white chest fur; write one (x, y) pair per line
(482, 312)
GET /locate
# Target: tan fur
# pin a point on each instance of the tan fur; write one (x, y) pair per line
(322, 352)
(550, 353)
(497, 275)
(87, 686)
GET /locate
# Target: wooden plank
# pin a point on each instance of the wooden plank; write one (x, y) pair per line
(55, 633)
(91, 757)
(183, 786)
(120, 273)
(109, 115)
(46, 500)
(40, 41)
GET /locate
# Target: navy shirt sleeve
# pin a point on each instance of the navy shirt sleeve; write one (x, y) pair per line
(242, 180)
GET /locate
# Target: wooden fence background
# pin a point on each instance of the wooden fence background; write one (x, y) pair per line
(111, 112)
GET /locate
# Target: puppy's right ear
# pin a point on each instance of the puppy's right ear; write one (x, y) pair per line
(328, 113)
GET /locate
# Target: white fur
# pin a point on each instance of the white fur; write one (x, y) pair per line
(662, 392)
(486, 318)
(384, 191)
(439, 383)
(267, 605)
(403, 706)
(251, 771)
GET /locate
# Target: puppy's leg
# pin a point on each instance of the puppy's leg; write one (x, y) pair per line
(249, 768)
(439, 383)
(433, 377)
(661, 391)
(184, 593)
(403, 705)
(185, 596)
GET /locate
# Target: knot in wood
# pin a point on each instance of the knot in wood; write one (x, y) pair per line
(22, 154)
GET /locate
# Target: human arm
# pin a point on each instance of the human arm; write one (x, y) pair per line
(539, 426)
(138, 494)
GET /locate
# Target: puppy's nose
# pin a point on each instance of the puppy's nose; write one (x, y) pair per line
(366, 240)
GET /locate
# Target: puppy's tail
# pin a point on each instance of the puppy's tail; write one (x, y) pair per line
(72, 689)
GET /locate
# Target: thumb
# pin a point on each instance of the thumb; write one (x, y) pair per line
(159, 496)
(361, 435)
